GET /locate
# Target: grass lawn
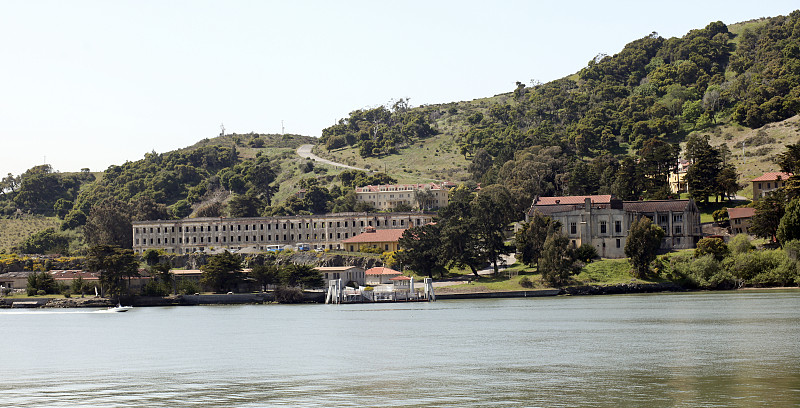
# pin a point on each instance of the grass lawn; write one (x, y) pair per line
(605, 271)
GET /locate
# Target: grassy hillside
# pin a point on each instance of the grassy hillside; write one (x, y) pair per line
(760, 147)
(14, 231)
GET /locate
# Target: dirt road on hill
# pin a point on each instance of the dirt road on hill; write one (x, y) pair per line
(304, 151)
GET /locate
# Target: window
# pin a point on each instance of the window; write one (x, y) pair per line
(158, 230)
(663, 219)
(573, 228)
(602, 227)
(618, 228)
(619, 242)
(677, 218)
(678, 229)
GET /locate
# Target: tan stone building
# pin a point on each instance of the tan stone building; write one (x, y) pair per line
(348, 274)
(768, 182)
(258, 233)
(740, 219)
(388, 196)
(604, 222)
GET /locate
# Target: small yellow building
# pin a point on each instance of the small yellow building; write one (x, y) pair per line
(384, 239)
(768, 182)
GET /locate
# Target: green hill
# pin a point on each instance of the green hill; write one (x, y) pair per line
(733, 83)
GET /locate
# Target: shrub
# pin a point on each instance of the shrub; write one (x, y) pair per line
(40, 292)
(525, 282)
(289, 295)
(713, 246)
(740, 244)
(586, 253)
(746, 266)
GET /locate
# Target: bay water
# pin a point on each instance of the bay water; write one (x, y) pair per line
(702, 349)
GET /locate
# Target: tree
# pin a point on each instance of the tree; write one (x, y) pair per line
(459, 244)
(41, 281)
(114, 264)
(790, 163)
(767, 218)
(557, 262)
(530, 239)
(658, 160)
(265, 275)
(421, 250)
(222, 272)
(244, 205)
(789, 226)
(492, 211)
(701, 177)
(628, 183)
(644, 239)
(304, 276)
(109, 223)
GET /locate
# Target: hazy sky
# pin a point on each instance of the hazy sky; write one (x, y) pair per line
(95, 83)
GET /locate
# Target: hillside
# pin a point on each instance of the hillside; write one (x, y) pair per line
(614, 127)
(571, 136)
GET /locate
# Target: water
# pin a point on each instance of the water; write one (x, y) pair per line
(735, 349)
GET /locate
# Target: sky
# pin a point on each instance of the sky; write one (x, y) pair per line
(88, 84)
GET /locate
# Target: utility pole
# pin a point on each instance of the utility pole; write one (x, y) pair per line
(282, 130)
(222, 128)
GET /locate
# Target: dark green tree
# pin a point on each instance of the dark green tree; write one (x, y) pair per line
(303, 276)
(492, 212)
(460, 246)
(265, 275)
(245, 205)
(41, 281)
(789, 226)
(644, 239)
(768, 214)
(115, 264)
(109, 223)
(557, 262)
(701, 177)
(223, 272)
(530, 239)
(420, 250)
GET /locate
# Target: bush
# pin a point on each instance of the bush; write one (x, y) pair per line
(40, 293)
(187, 287)
(713, 246)
(746, 266)
(740, 244)
(288, 295)
(586, 253)
(525, 282)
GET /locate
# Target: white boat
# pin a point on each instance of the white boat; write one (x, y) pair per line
(119, 308)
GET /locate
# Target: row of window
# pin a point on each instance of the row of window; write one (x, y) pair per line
(224, 239)
(573, 227)
(269, 227)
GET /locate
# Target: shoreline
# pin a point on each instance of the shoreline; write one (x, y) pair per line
(318, 297)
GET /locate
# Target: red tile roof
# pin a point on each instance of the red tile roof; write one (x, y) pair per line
(655, 206)
(59, 274)
(379, 235)
(734, 213)
(380, 270)
(399, 278)
(772, 176)
(596, 199)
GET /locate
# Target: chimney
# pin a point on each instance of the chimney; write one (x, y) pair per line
(588, 202)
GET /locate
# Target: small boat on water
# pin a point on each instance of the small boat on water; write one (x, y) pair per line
(119, 308)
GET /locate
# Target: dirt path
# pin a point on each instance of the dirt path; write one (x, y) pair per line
(304, 151)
